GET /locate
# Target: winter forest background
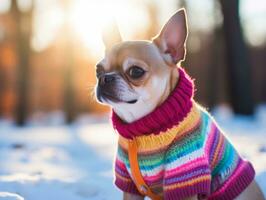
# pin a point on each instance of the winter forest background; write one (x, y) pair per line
(55, 140)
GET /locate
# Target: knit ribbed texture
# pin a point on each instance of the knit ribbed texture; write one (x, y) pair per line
(191, 157)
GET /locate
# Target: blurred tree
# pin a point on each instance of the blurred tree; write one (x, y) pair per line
(216, 68)
(182, 4)
(69, 100)
(23, 29)
(2, 86)
(237, 58)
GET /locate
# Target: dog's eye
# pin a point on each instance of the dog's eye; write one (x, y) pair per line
(136, 72)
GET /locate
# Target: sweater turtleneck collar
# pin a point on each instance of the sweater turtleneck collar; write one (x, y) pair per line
(170, 113)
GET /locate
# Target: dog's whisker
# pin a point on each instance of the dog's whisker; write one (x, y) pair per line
(91, 92)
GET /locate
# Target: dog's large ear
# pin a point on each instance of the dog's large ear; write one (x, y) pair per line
(172, 38)
(111, 35)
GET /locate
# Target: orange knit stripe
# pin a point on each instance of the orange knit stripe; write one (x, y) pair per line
(188, 183)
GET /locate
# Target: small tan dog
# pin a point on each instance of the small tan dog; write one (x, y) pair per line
(135, 77)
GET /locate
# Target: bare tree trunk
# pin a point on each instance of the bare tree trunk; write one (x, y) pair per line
(2, 88)
(216, 68)
(23, 34)
(237, 58)
(182, 4)
(69, 100)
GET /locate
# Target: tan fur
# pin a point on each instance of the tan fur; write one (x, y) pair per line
(127, 196)
(160, 79)
(158, 72)
(253, 192)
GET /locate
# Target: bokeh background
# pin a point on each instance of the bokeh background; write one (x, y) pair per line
(49, 48)
(55, 137)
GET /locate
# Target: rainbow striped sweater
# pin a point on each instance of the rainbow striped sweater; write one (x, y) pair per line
(181, 151)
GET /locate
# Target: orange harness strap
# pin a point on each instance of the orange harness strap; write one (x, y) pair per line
(140, 183)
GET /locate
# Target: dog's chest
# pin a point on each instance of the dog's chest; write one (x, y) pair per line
(155, 165)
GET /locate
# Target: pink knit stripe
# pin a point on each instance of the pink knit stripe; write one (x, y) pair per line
(120, 164)
(195, 164)
(129, 187)
(187, 166)
(233, 178)
(239, 180)
(169, 113)
(155, 177)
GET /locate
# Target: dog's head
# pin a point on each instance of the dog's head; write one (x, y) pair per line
(135, 77)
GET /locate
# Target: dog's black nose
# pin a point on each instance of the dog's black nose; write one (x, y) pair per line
(105, 79)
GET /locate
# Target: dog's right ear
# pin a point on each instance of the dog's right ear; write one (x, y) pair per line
(172, 38)
(111, 35)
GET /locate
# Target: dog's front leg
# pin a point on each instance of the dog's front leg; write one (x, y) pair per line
(128, 196)
(192, 198)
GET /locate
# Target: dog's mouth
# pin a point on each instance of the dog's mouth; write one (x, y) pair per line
(117, 100)
(132, 101)
(107, 96)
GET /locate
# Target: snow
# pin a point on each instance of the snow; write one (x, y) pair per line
(55, 161)
(10, 196)
(63, 162)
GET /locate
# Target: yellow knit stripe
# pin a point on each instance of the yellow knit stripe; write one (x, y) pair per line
(190, 182)
(154, 142)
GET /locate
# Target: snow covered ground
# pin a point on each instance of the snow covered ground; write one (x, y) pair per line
(75, 162)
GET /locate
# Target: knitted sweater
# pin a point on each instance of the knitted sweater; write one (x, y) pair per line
(181, 151)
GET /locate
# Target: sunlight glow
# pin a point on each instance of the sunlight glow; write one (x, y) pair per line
(89, 18)
(48, 18)
(4, 6)
(253, 14)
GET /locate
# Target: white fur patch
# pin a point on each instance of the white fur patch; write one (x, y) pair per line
(148, 99)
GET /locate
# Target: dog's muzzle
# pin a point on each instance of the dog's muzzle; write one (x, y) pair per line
(110, 87)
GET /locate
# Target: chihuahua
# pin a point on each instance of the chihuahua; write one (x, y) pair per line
(136, 77)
